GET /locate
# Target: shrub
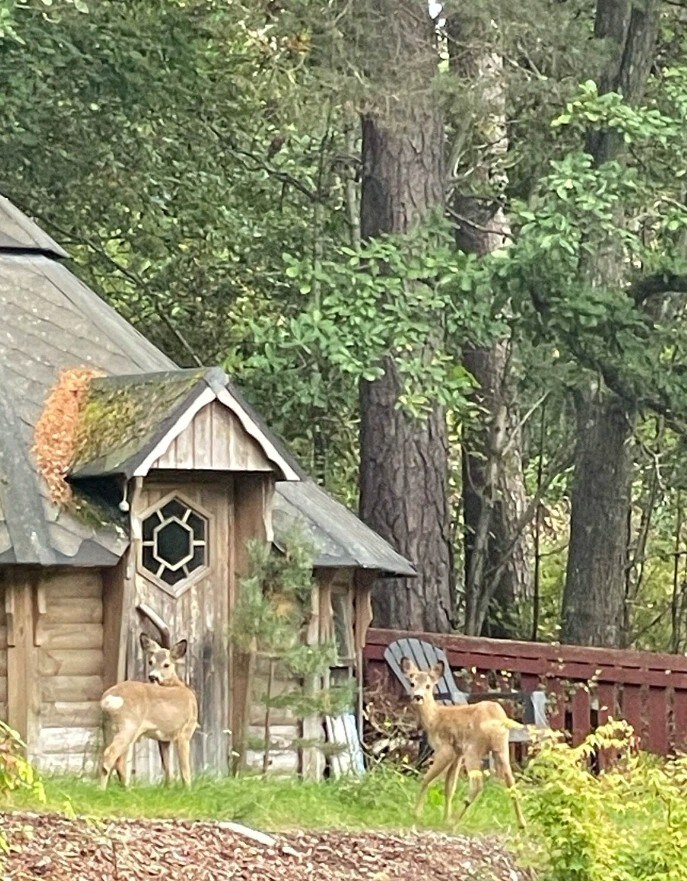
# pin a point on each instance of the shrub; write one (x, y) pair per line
(626, 824)
(16, 772)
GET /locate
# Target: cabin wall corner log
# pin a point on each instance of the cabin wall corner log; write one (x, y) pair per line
(51, 662)
(22, 672)
(114, 623)
(252, 503)
(364, 582)
(71, 672)
(312, 760)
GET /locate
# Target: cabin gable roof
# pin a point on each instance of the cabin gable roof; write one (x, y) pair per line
(128, 422)
(19, 234)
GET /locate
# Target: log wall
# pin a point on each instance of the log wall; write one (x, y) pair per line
(70, 665)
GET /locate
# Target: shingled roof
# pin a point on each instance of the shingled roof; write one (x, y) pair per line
(51, 322)
(340, 539)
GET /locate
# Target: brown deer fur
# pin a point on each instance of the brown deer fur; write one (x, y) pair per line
(164, 709)
(459, 734)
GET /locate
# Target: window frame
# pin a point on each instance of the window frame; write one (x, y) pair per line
(181, 586)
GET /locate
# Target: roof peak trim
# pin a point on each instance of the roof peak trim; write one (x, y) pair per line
(20, 235)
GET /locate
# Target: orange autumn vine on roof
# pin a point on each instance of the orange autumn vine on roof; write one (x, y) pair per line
(56, 432)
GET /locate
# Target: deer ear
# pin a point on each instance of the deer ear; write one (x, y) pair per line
(437, 670)
(178, 650)
(407, 666)
(148, 644)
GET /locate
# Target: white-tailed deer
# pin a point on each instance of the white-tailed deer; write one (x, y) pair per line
(164, 709)
(460, 734)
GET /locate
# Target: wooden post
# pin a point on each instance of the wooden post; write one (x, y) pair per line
(243, 669)
(268, 713)
(23, 681)
(312, 759)
(364, 582)
(40, 609)
(252, 495)
(115, 623)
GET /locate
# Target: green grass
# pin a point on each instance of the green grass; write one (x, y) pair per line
(381, 800)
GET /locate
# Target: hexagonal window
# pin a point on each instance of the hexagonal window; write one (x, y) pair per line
(174, 544)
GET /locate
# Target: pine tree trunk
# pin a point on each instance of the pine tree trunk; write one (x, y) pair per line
(494, 494)
(404, 497)
(594, 592)
(403, 460)
(494, 499)
(600, 499)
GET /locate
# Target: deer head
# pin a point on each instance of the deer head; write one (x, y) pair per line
(161, 662)
(422, 682)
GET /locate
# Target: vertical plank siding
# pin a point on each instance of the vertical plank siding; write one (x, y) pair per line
(585, 686)
(214, 441)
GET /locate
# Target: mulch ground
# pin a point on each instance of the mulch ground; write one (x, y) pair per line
(53, 848)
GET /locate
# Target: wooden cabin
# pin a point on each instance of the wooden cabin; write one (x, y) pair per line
(173, 473)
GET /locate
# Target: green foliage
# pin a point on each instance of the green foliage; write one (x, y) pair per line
(573, 216)
(216, 208)
(627, 824)
(269, 623)
(384, 298)
(16, 772)
(273, 602)
(17, 775)
(211, 152)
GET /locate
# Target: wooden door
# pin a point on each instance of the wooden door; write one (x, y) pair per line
(192, 598)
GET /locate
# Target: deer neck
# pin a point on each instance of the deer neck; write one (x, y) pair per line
(173, 682)
(427, 712)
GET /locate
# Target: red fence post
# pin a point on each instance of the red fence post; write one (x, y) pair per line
(581, 721)
(679, 738)
(657, 722)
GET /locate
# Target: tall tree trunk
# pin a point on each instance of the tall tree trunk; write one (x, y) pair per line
(404, 461)
(494, 499)
(595, 583)
(594, 590)
(494, 495)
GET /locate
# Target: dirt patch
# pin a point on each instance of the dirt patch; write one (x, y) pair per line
(54, 848)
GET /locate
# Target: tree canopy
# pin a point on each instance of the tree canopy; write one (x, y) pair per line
(202, 163)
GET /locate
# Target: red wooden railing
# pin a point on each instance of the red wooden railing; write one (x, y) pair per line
(585, 686)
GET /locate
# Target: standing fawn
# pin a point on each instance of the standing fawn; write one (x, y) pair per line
(460, 734)
(164, 709)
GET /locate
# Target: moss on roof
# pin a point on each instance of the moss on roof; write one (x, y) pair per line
(124, 416)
